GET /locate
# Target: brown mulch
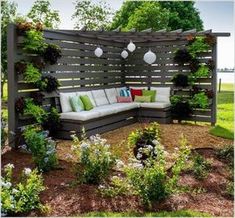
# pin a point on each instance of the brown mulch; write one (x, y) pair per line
(66, 199)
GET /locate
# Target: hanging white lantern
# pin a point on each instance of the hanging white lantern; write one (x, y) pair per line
(131, 46)
(98, 52)
(124, 54)
(149, 57)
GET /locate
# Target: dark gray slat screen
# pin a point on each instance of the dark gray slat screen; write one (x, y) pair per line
(78, 61)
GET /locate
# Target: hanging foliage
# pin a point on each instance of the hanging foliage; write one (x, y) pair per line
(20, 67)
(37, 97)
(180, 80)
(210, 39)
(200, 100)
(31, 74)
(48, 83)
(194, 65)
(51, 54)
(182, 56)
(20, 105)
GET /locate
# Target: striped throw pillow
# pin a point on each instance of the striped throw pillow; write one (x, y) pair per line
(125, 93)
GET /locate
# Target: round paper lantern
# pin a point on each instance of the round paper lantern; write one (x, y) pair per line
(149, 57)
(98, 52)
(124, 54)
(131, 46)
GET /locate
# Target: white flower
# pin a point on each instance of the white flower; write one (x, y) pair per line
(46, 159)
(14, 190)
(27, 171)
(119, 164)
(137, 165)
(6, 184)
(155, 142)
(139, 155)
(24, 147)
(101, 187)
(150, 147)
(10, 166)
(115, 177)
(84, 145)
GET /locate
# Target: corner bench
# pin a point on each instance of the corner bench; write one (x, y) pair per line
(109, 117)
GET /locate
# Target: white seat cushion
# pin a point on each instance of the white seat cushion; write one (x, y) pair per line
(89, 94)
(119, 89)
(64, 101)
(119, 107)
(111, 95)
(82, 116)
(163, 94)
(156, 105)
(99, 97)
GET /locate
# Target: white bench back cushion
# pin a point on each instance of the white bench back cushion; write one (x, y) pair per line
(99, 97)
(111, 95)
(64, 101)
(89, 94)
(163, 94)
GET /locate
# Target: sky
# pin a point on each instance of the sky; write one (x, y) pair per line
(216, 15)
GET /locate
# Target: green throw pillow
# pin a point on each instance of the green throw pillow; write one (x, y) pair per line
(142, 98)
(151, 93)
(76, 104)
(86, 102)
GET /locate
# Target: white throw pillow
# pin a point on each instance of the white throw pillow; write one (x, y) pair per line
(111, 95)
(89, 94)
(99, 97)
(64, 101)
(119, 89)
(163, 94)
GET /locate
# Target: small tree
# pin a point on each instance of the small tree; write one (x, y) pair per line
(41, 12)
(8, 15)
(92, 16)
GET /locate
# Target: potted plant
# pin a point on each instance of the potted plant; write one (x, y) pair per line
(20, 105)
(38, 62)
(51, 53)
(210, 39)
(194, 65)
(181, 107)
(144, 142)
(37, 97)
(51, 122)
(197, 45)
(20, 67)
(48, 83)
(182, 56)
(180, 80)
(31, 73)
(200, 100)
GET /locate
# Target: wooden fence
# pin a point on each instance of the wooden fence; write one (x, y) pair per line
(80, 69)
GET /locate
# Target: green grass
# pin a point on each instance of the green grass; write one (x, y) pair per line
(180, 213)
(225, 115)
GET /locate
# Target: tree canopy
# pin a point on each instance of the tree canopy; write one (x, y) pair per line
(157, 15)
(41, 12)
(92, 15)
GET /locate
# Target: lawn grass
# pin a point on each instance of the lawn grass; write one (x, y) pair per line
(180, 213)
(225, 115)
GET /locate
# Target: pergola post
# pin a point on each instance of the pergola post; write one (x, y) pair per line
(12, 83)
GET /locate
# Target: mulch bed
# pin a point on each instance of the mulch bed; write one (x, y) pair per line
(67, 200)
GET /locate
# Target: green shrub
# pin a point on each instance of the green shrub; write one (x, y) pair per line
(32, 74)
(43, 148)
(227, 153)
(200, 100)
(200, 166)
(151, 181)
(94, 160)
(34, 42)
(21, 197)
(230, 189)
(202, 72)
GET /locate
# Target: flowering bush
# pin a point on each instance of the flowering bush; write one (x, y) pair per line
(23, 196)
(42, 147)
(145, 141)
(94, 159)
(151, 181)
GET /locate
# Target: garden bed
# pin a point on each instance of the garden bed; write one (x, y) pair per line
(66, 199)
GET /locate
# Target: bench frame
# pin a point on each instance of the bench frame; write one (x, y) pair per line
(111, 122)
